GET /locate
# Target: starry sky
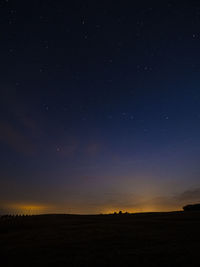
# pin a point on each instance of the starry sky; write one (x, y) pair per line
(99, 106)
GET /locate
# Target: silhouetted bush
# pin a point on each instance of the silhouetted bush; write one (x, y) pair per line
(120, 213)
(192, 207)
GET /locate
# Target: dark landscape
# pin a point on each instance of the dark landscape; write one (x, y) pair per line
(145, 239)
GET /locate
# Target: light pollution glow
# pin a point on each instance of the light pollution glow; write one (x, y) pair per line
(29, 209)
(34, 209)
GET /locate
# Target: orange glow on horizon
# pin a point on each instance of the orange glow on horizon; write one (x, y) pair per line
(141, 209)
(27, 208)
(42, 208)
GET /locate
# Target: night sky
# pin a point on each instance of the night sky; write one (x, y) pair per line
(99, 106)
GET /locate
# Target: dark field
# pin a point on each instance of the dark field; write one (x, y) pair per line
(148, 239)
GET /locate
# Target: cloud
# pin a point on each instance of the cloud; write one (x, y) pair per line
(190, 195)
(93, 149)
(15, 139)
(18, 129)
(69, 148)
(72, 147)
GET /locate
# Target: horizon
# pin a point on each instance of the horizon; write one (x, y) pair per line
(117, 213)
(19, 209)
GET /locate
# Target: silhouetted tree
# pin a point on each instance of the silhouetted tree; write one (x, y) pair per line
(193, 207)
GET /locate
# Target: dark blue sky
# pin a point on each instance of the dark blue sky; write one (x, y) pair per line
(99, 106)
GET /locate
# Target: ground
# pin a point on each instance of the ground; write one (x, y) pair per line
(148, 239)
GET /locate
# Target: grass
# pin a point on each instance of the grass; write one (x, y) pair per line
(148, 239)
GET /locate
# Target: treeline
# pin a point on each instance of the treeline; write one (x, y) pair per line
(192, 207)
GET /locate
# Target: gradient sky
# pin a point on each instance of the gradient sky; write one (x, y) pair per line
(99, 106)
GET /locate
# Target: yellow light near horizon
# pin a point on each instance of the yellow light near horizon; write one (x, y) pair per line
(140, 209)
(31, 207)
(27, 208)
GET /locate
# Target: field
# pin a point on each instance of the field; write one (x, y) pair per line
(148, 239)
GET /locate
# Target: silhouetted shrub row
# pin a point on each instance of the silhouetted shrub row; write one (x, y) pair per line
(13, 216)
